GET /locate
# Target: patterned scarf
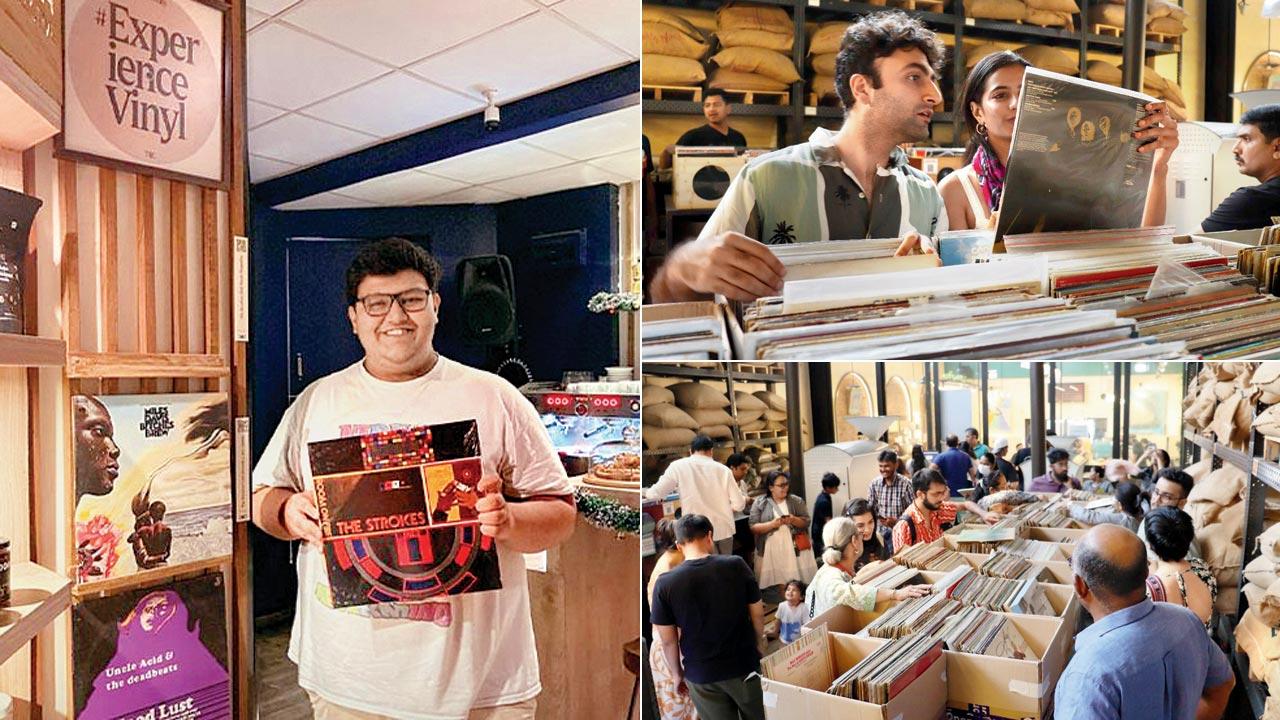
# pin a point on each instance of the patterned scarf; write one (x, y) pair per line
(990, 176)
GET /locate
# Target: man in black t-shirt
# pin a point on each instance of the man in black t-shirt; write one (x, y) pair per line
(1257, 152)
(708, 614)
(715, 108)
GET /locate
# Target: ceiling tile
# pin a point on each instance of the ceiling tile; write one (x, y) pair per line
(612, 21)
(626, 164)
(261, 168)
(495, 163)
(325, 201)
(393, 30)
(525, 57)
(562, 178)
(395, 104)
(290, 69)
(270, 7)
(401, 188)
(253, 18)
(474, 195)
(303, 140)
(600, 135)
(260, 113)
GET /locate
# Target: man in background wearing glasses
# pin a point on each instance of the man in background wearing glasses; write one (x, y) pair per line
(1172, 489)
(463, 656)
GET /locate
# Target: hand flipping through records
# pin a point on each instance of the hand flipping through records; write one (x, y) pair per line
(729, 264)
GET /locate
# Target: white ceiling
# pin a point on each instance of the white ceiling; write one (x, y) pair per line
(330, 77)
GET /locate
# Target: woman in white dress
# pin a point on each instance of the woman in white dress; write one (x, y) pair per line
(781, 526)
(833, 584)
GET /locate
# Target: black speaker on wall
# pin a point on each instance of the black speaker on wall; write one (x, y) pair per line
(487, 290)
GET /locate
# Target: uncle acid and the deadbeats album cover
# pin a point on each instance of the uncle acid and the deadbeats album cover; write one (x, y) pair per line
(398, 515)
(153, 653)
(1074, 163)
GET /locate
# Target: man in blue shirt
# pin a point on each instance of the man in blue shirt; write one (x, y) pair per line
(1139, 660)
(955, 465)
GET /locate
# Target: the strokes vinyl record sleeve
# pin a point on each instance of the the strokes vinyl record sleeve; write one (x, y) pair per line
(398, 515)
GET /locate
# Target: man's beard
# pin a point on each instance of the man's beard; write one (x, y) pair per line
(931, 507)
(1062, 478)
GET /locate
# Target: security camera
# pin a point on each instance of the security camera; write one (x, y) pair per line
(492, 115)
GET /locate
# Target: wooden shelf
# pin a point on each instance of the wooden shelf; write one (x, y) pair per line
(138, 365)
(39, 596)
(31, 351)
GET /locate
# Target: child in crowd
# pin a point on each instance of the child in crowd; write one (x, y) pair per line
(792, 613)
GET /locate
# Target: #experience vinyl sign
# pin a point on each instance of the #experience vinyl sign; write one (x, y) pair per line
(144, 85)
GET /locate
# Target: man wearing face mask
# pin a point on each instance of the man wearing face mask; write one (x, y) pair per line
(1257, 153)
(853, 183)
(1058, 479)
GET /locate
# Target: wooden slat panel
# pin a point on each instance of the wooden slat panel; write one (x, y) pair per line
(145, 238)
(69, 264)
(108, 277)
(108, 335)
(178, 279)
(137, 365)
(209, 254)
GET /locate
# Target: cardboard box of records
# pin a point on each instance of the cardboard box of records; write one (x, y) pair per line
(988, 686)
(1039, 550)
(1061, 598)
(1051, 571)
(804, 679)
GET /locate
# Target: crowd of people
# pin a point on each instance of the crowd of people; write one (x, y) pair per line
(708, 604)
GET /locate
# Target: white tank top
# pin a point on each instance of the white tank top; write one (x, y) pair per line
(980, 214)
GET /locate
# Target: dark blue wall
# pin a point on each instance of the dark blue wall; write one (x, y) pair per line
(557, 332)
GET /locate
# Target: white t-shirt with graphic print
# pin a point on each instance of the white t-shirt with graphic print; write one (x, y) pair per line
(427, 661)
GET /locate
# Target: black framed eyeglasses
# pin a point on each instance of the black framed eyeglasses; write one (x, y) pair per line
(411, 300)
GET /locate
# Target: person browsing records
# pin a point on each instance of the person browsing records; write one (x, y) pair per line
(990, 106)
(923, 520)
(1139, 660)
(1058, 478)
(851, 183)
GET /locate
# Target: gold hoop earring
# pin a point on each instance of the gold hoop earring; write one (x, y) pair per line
(982, 129)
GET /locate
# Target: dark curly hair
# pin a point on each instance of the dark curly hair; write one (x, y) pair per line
(388, 257)
(880, 35)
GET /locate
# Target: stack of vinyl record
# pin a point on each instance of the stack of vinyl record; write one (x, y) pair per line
(918, 615)
(1174, 292)
(1013, 596)
(1013, 567)
(885, 574)
(888, 670)
(977, 631)
(1036, 550)
(932, 556)
(970, 309)
(1045, 515)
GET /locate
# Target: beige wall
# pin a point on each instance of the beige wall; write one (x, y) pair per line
(1253, 37)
